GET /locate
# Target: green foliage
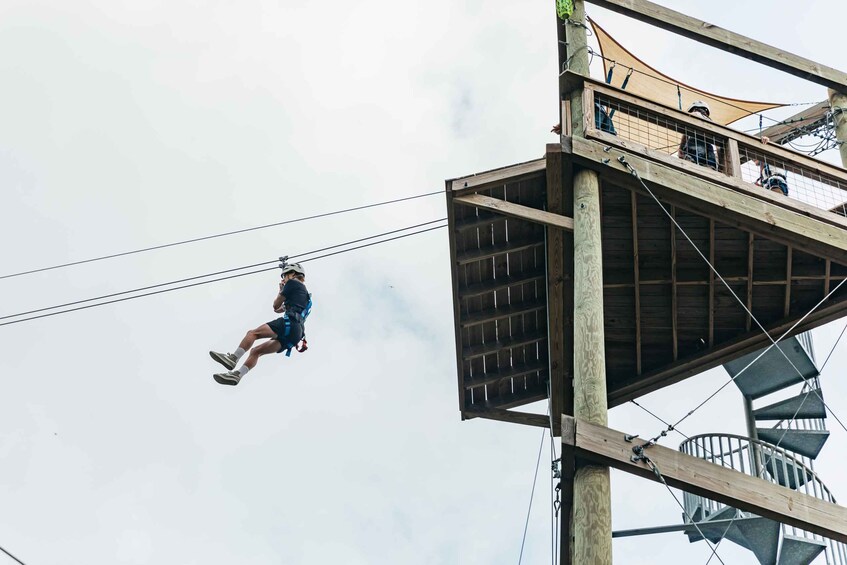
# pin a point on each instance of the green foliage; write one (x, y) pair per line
(564, 9)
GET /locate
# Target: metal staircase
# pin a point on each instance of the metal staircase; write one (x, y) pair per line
(782, 453)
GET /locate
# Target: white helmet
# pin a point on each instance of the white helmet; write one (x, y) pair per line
(293, 268)
(700, 105)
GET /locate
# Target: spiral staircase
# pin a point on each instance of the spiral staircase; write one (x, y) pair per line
(786, 433)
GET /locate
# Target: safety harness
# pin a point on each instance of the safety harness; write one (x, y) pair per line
(771, 180)
(300, 318)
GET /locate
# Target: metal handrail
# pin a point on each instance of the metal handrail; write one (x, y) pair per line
(763, 444)
(767, 462)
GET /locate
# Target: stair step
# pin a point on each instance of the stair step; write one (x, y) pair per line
(784, 472)
(713, 532)
(799, 550)
(804, 406)
(772, 372)
(761, 536)
(803, 442)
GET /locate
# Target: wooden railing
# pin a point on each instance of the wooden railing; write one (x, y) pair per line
(656, 131)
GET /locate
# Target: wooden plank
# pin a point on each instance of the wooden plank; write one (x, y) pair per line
(501, 312)
(711, 283)
(473, 290)
(603, 445)
(476, 222)
(503, 415)
(454, 278)
(816, 232)
(715, 36)
(637, 283)
(465, 257)
(497, 177)
(516, 211)
(827, 277)
(750, 257)
(513, 372)
(495, 346)
(674, 306)
(788, 262)
(733, 158)
(501, 327)
(556, 287)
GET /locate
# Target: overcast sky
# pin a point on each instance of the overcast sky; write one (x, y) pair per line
(130, 124)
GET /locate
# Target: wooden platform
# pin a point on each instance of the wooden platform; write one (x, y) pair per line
(667, 316)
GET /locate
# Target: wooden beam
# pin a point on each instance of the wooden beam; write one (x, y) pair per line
(497, 177)
(592, 506)
(474, 255)
(711, 283)
(715, 36)
(457, 303)
(816, 232)
(750, 257)
(599, 444)
(513, 372)
(788, 262)
(637, 282)
(674, 328)
(516, 211)
(788, 129)
(474, 290)
(559, 360)
(733, 159)
(502, 415)
(827, 277)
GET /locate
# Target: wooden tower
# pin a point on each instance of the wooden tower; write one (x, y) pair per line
(584, 277)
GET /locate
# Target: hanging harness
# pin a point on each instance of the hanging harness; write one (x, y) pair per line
(300, 318)
(771, 180)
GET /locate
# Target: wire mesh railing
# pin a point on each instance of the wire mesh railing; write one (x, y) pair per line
(739, 160)
(765, 461)
(784, 176)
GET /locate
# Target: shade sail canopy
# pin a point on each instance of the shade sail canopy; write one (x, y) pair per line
(649, 83)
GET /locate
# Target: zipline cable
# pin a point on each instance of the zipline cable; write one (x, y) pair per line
(222, 234)
(207, 275)
(217, 279)
(12, 556)
(532, 493)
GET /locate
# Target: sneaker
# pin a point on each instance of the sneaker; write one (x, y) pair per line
(228, 360)
(228, 378)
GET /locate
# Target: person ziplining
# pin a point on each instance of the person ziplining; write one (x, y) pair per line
(285, 333)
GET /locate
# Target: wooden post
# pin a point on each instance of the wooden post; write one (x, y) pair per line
(577, 62)
(592, 512)
(591, 522)
(838, 103)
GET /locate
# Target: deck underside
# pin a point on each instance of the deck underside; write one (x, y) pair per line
(667, 314)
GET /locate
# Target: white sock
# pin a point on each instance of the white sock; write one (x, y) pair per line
(243, 370)
(239, 353)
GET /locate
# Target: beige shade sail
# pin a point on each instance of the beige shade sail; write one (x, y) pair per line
(649, 83)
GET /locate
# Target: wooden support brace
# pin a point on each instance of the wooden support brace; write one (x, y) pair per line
(599, 444)
(501, 415)
(516, 211)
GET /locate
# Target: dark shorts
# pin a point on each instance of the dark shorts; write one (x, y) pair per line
(295, 332)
